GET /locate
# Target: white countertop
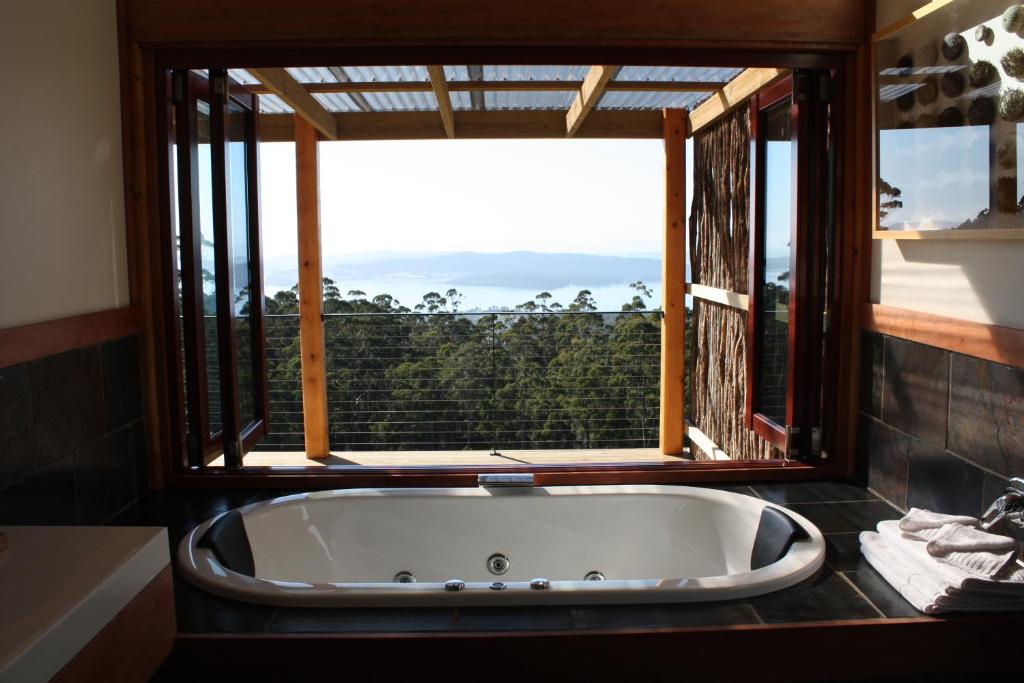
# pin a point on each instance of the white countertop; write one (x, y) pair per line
(60, 585)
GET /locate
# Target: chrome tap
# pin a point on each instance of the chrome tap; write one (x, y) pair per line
(1009, 507)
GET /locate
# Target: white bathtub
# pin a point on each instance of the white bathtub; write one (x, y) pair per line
(650, 544)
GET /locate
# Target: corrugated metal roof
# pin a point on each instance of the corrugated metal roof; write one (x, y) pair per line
(401, 101)
(632, 99)
(387, 73)
(272, 104)
(528, 99)
(677, 73)
(242, 76)
(336, 101)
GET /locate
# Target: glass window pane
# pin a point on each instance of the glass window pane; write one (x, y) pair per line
(776, 247)
(238, 228)
(207, 264)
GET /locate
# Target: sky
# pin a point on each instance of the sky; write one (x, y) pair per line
(586, 196)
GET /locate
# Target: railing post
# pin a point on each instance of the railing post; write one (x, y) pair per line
(311, 325)
(673, 278)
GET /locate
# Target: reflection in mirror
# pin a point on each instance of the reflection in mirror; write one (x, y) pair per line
(950, 99)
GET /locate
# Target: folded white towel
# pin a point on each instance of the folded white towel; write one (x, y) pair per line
(929, 593)
(1001, 574)
(918, 519)
(957, 538)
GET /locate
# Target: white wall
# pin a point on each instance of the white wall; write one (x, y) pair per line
(62, 226)
(978, 281)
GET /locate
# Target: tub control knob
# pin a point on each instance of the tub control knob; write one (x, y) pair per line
(540, 584)
(454, 585)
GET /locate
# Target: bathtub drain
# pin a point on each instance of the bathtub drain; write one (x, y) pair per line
(404, 577)
(594, 576)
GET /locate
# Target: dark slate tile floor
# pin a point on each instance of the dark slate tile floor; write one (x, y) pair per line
(845, 588)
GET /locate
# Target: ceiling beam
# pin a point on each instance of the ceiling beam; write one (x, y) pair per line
(493, 124)
(475, 87)
(736, 92)
(444, 101)
(590, 92)
(284, 85)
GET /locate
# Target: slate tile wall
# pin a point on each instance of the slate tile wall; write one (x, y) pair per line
(938, 429)
(72, 438)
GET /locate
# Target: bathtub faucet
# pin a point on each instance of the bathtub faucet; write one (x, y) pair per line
(1009, 506)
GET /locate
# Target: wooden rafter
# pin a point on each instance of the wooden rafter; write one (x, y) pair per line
(477, 86)
(282, 84)
(737, 91)
(444, 101)
(590, 92)
(497, 123)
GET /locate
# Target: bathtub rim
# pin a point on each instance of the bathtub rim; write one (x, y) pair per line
(803, 560)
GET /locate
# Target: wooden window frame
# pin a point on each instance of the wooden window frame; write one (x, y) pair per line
(198, 445)
(155, 62)
(806, 340)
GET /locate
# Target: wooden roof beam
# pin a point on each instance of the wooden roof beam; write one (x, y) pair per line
(444, 101)
(475, 87)
(590, 92)
(736, 92)
(284, 85)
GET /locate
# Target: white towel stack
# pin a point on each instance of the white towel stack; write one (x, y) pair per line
(945, 563)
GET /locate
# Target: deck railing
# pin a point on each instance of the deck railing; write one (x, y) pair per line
(456, 381)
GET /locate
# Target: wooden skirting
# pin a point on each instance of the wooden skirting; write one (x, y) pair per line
(981, 340)
(135, 642)
(39, 340)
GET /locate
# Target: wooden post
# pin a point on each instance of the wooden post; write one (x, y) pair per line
(311, 326)
(673, 282)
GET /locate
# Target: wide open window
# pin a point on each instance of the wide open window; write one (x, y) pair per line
(791, 188)
(220, 290)
(430, 382)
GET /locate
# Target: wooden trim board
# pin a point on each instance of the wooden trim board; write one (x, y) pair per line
(39, 340)
(995, 343)
(718, 296)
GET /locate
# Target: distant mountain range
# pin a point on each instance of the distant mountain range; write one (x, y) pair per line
(520, 269)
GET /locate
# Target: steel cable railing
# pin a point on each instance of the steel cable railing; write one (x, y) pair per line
(455, 381)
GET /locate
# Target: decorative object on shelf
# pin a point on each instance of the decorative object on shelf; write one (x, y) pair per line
(1013, 18)
(905, 64)
(1013, 62)
(1006, 153)
(905, 102)
(926, 55)
(951, 117)
(926, 121)
(928, 92)
(982, 111)
(1011, 105)
(983, 34)
(953, 46)
(952, 84)
(981, 73)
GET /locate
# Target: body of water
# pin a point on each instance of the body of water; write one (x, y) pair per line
(410, 291)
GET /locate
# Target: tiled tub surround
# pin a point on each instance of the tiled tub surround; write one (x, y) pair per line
(939, 430)
(72, 440)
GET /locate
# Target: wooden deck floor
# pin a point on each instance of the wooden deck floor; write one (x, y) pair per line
(441, 458)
